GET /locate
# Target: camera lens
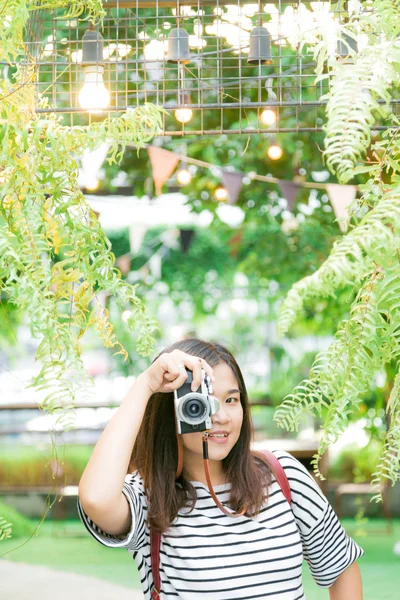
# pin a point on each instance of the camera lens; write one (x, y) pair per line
(194, 410)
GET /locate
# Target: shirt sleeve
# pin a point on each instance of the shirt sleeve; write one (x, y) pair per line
(133, 489)
(327, 548)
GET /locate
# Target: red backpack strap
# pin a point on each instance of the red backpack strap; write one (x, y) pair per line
(279, 473)
(155, 538)
(155, 543)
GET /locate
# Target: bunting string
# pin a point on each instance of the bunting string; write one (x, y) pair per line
(164, 163)
(251, 175)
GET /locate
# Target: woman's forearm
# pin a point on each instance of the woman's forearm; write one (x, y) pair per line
(348, 585)
(103, 477)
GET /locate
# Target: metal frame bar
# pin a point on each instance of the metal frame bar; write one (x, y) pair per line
(224, 89)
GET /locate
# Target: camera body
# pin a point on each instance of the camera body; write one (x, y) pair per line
(193, 409)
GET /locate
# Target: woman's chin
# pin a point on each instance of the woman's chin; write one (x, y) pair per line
(218, 452)
(218, 449)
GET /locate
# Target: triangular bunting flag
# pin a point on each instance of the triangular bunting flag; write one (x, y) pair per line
(155, 264)
(233, 184)
(341, 196)
(137, 231)
(163, 164)
(92, 161)
(234, 243)
(289, 190)
(124, 263)
(186, 236)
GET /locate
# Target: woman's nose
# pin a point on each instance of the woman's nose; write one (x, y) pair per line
(221, 416)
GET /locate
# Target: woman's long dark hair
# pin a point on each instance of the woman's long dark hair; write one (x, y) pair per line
(155, 453)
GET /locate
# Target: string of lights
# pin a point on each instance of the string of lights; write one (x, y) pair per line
(215, 67)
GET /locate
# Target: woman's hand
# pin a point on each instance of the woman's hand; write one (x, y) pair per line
(168, 372)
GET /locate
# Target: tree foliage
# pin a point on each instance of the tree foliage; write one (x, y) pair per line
(367, 257)
(44, 213)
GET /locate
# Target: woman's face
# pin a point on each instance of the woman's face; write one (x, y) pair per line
(227, 420)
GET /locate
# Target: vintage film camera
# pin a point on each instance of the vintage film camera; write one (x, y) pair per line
(193, 410)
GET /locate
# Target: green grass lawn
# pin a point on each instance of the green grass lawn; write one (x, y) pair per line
(68, 547)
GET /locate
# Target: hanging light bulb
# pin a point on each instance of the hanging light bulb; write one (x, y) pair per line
(183, 176)
(268, 117)
(184, 113)
(221, 193)
(92, 184)
(274, 151)
(93, 96)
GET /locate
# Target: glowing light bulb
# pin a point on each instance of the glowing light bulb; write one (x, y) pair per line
(221, 193)
(268, 116)
(274, 152)
(183, 177)
(126, 315)
(94, 96)
(92, 184)
(183, 115)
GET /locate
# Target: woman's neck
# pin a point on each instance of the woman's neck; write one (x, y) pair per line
(193, 470)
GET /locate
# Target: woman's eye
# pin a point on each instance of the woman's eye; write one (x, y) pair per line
(233, 400)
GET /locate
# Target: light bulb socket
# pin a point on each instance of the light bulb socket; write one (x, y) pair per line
(184, 98)
(92, 48)
(178, 46)
(260, 47)
(98, 69)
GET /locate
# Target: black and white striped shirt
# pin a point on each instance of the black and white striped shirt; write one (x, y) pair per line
(206, 554)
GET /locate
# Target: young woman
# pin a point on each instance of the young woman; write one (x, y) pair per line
(129, 487)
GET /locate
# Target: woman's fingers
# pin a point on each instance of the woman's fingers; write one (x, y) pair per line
(194, 364)
(177, 381)
(201, 363)
(177, 371)
(197, 374)
(174, 367)
(169, 365)
(169, 376)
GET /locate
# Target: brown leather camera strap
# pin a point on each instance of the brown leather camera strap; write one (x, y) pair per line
(155, 543)
(155, 537)
(179, 465)
(210, 485)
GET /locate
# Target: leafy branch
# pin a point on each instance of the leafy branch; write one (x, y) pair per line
(5, 529)
(15, 15)
(44, 215)
(368, 257)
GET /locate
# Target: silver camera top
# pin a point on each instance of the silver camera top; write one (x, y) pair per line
(207, 381)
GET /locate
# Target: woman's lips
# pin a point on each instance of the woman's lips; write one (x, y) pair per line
(218, 440)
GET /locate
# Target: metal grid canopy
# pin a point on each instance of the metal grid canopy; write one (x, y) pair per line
(224, 92)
